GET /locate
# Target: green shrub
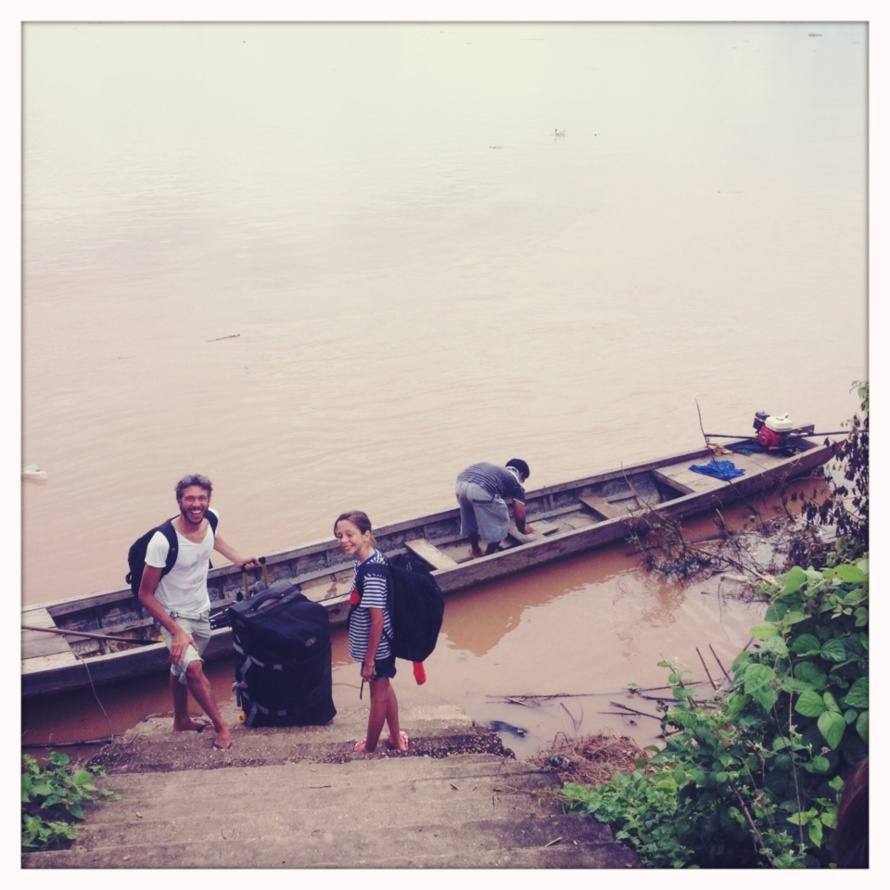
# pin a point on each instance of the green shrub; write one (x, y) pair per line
(52, 800)
(751, 777)
(846, 508)
(644, 811)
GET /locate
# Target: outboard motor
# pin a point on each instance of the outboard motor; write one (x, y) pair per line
(772, 430)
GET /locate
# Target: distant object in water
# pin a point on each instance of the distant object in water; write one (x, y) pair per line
(558, 133)
(32, 471)
(500, 726)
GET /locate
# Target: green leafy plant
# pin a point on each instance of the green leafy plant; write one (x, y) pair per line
(845, 509)
(53, 797)
(644, 810)
(750, 776)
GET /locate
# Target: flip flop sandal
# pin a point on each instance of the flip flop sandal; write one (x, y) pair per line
(404, 740)
(360, 746)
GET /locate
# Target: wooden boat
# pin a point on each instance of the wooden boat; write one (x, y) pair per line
(105, 637)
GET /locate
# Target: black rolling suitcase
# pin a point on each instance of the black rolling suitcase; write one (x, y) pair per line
(282, 658)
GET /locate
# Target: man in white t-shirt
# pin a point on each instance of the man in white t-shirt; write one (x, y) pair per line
(180, 603)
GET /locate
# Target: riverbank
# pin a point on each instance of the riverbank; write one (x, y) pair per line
(302, 798)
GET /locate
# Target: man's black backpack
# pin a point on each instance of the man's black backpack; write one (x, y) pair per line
(136, 554)
(417, 605)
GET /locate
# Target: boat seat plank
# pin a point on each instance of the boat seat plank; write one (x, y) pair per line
(541, 526)
(688, 480)
(36, 644)
(430, 553)
(37, 616)
(555, 512)
(52, 662)
(602, 506)
(113, 629)
(697, 482)
(672, 482)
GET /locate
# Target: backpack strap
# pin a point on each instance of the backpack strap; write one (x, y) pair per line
(167, 530)
(381, 570)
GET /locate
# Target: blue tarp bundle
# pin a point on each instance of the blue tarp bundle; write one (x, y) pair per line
(720, 469)
(747, 448)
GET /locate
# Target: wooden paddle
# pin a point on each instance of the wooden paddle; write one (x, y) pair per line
(92, 636)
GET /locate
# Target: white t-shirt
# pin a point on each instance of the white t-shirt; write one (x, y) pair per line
(184, 587)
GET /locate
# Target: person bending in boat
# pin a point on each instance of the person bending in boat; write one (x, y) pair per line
(370, 631)
(180, 603)
(483, 491)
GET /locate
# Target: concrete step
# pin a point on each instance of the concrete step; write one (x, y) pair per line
(292, 797)
(531, 842)
(302, 798)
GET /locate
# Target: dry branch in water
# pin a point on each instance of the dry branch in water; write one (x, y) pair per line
(591, 760)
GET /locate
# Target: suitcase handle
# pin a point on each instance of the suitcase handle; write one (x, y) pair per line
(245, 578)
(270, 597)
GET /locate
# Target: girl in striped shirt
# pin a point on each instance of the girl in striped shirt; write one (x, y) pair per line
(370, 630)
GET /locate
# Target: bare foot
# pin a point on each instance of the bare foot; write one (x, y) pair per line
(402, 746)
(223, 738)
(192, 726)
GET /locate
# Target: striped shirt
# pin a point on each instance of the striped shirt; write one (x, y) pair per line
(495, 480)
(373, 596)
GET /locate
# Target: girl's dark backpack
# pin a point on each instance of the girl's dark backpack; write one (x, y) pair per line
(417, 605)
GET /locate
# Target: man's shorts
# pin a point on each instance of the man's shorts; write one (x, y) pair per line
(482, 512)
(198, 626)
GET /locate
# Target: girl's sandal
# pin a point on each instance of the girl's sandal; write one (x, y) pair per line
(360, 746)
(403, 739)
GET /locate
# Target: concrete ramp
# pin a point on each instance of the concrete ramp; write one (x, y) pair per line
(301, 798)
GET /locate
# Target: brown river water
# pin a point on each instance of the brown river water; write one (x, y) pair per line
(331, 265)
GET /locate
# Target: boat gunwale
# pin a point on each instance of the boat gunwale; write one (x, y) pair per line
(467, 574)
(326, 545)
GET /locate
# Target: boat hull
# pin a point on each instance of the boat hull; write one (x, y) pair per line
(569, 518)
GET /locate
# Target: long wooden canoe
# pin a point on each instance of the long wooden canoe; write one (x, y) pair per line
(105, 637)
